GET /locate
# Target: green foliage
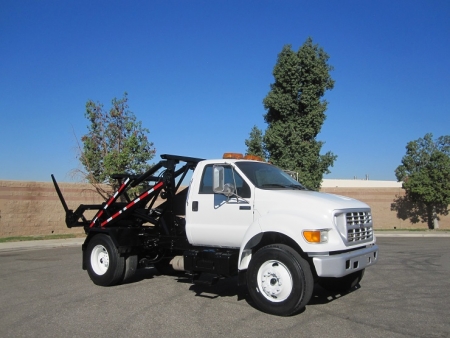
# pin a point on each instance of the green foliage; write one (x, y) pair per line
(425, 171)
(255, 143)
(296, 113)
(115, 143)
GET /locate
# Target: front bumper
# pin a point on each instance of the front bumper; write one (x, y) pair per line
(345, 263)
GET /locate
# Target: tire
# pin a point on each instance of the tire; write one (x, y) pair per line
(131, 263)
(341, 284)
(104, 264)
(279, 280)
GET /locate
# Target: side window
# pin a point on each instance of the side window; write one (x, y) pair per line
(207, 180)
(231, 176)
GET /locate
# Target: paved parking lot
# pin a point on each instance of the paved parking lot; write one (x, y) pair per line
(45, 293)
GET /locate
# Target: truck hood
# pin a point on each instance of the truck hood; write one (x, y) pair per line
(304, 199)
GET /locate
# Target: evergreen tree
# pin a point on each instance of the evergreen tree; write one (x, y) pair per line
(296, 113)
(255, 143)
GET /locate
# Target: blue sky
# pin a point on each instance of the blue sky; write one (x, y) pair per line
(196, 73)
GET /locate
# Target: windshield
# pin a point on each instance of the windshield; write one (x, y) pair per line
(267, 176)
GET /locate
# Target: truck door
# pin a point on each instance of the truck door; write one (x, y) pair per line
(217, 220)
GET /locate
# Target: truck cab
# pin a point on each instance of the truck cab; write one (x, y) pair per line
(235, 202)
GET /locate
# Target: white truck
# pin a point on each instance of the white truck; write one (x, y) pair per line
(239, 216)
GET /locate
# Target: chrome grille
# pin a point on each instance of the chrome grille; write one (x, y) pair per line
(361, 234)
(359, 226)
(358, 218)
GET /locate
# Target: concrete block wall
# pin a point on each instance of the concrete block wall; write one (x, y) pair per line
(33, 208)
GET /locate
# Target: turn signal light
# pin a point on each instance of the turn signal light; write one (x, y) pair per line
(316, 236)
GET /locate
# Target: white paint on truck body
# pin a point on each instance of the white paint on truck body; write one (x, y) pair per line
(216, 220)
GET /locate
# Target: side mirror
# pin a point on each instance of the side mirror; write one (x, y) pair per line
(219, 185)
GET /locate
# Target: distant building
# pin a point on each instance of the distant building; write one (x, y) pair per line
(359, 183)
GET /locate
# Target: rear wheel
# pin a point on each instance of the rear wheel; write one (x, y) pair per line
(341, 284)
(279, 280)
(104, 264)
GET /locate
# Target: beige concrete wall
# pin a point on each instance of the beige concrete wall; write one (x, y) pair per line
(33, 208)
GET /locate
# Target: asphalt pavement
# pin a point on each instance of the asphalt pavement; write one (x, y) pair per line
(45, 293)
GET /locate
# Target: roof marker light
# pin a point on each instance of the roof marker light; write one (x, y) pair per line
(239, 156)
(234, 156)
(253, 158)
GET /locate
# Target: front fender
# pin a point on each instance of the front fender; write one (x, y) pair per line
(289, 225)
(251, 238)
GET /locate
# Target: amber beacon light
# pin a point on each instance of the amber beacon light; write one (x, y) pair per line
(239, 156)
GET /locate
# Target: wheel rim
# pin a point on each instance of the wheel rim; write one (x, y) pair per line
(99, 260)
(274, 281)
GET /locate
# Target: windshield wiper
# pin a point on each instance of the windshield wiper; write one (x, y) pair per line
(273, 185)
(284, 186)
(297, 186)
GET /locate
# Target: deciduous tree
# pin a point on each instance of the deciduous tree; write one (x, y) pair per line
(115, 143)
(425, 173)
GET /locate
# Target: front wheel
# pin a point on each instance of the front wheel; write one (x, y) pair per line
(279, 280)
(104, 264)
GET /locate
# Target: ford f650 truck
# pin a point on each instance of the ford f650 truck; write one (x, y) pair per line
(239, 216)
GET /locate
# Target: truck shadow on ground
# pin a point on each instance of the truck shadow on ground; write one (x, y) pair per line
(229, 288)
(150, 273)
(143, 274)
(322, 296)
